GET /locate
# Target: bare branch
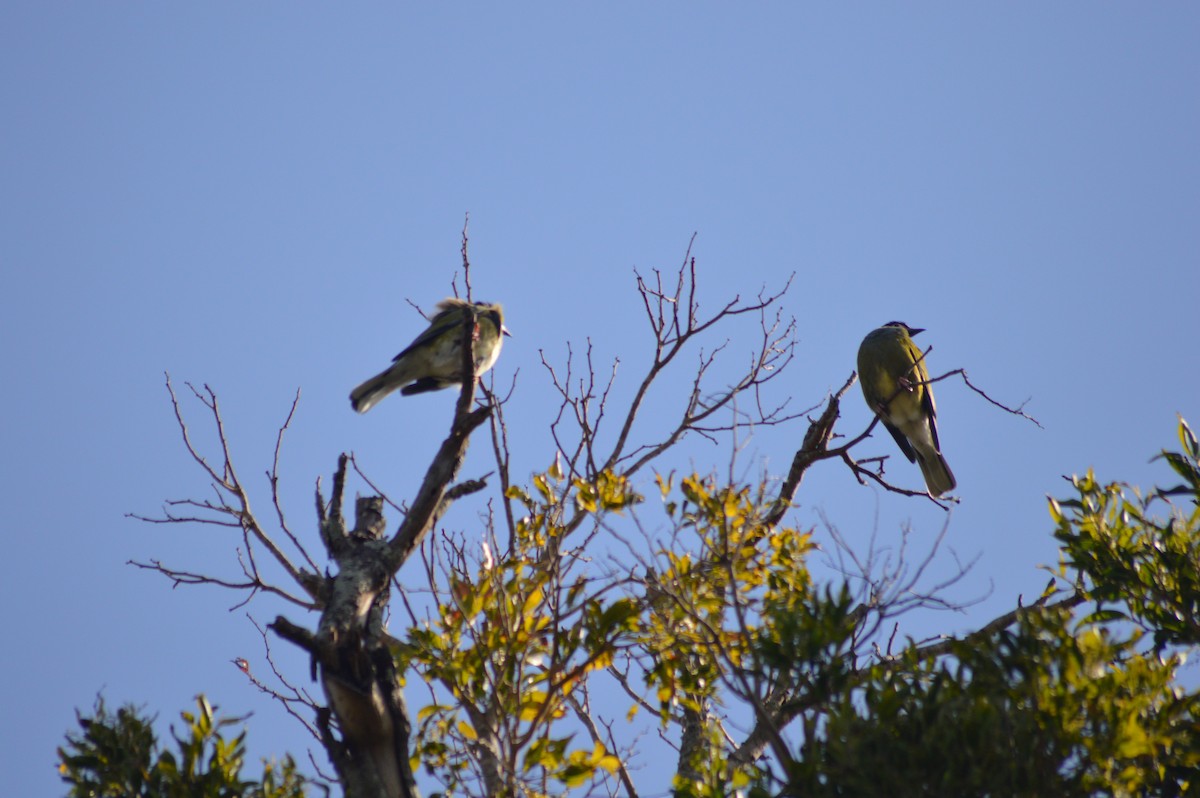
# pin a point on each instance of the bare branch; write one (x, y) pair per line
(673, 329)
(1019, 410)
(877, 477)
(945, 645)
(187, 442)
(813, 449)
(501, 452)
(375, 488)
(273, 477)
(232, 498)
(676, 321)
(333, 525)
(189, 578)
(291, 697)
(466, 262)
(460, 489)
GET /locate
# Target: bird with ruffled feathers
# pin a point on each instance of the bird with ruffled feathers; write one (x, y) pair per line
(434, 360)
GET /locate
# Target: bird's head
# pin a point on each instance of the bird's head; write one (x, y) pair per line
(901, 325)
(492, 311)
(495, 312)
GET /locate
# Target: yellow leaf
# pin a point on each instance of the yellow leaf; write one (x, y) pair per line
(531, 601)
(467, 730)
(585, 497)
(731, 505)
(532, 706)
(602, 660)
(609, 763)
(425, 711)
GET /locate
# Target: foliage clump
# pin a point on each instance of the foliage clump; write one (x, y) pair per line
(118, 755)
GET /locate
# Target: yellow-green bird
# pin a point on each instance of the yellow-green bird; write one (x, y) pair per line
(896, 385)
(434, 360)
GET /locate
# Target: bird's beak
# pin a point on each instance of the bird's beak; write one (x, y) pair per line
(504, 330)
(912, 331)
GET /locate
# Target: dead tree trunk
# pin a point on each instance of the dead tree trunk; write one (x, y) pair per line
(365, 727)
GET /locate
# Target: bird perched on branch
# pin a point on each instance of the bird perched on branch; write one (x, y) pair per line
(895, 382)
(434, 360)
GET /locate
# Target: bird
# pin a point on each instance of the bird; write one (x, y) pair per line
(434, 360)
(895, 383)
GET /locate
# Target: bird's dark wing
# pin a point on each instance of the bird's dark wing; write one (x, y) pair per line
(931, 413)
(442, 322)
(920, 374)
(901, 441)
(426, 384)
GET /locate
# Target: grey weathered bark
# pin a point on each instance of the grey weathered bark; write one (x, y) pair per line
(356, 669)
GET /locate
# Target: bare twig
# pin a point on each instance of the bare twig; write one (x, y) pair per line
(291, 697)
(501, 452)
(230, 508)
(676, 322)
(466, 262)
(945, 645)
(273, 477)
(876, 475)
(585, 717)
(188, 578)
(1019, 410)
(375, 488)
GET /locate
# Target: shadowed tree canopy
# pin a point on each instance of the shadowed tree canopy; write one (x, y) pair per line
(118, 755)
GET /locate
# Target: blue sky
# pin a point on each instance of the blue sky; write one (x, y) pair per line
(245, 196)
